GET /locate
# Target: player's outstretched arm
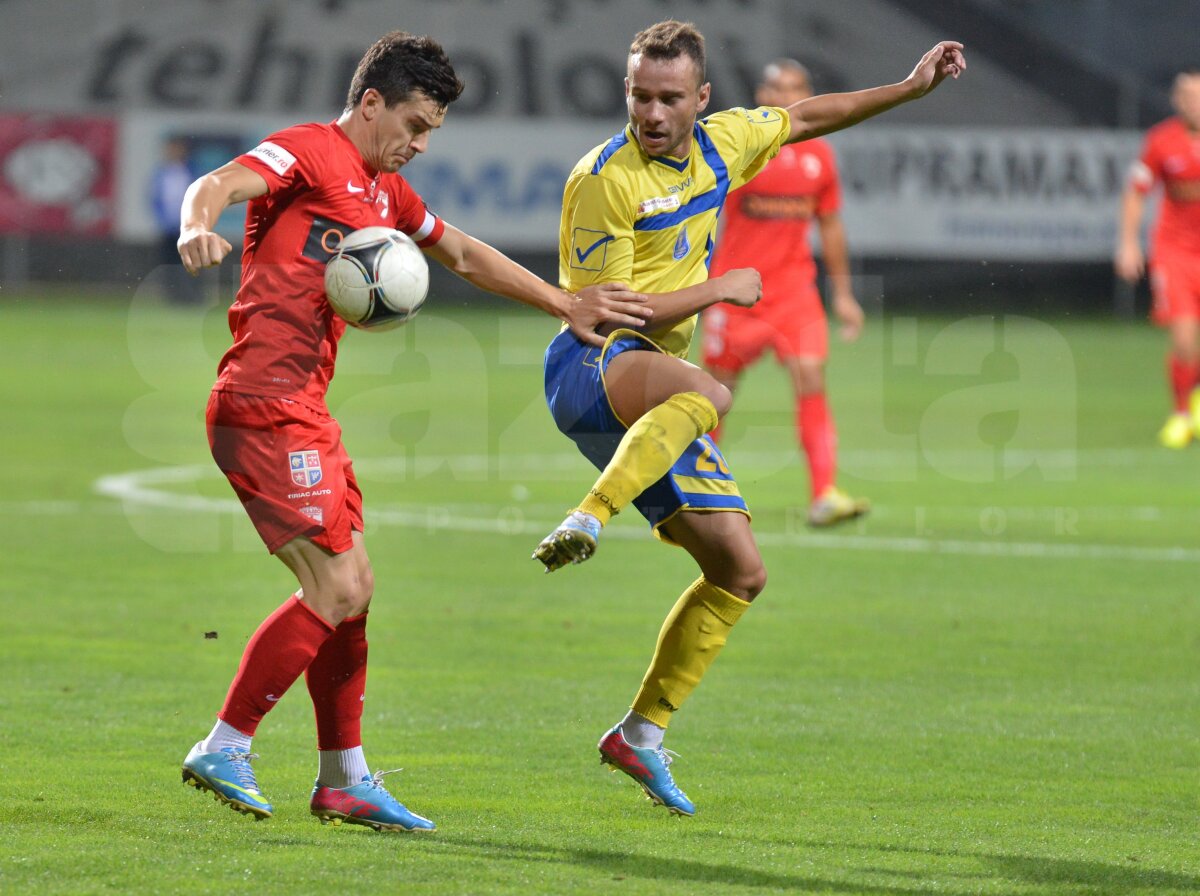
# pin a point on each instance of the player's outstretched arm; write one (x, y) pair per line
(491, 270)
(830, 112)
(199, 246)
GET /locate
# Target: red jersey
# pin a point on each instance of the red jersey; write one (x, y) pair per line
(766, 221)
(285, 334)
(1171, 156)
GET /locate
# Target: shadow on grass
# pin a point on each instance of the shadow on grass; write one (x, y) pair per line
(1059, 876)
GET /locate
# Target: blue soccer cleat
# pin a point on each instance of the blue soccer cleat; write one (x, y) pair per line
(227, 775)
(572, 542)
(367, 803)
(648, 767)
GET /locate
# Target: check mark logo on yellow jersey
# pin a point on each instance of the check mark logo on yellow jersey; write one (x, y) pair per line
(582, 255)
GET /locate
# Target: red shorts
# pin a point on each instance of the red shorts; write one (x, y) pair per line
(1175, 286)
(287, 464)
(734, 337)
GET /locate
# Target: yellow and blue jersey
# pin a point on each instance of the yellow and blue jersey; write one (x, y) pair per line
(651, 221)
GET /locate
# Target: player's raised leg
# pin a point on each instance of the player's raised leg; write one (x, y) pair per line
(671, 403)
(691, 637)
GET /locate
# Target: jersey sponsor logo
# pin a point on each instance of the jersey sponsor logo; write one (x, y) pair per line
(658, 204)
(763, 207)
(316, 514)
(274, 155)
(352, 187)
(311, 493)
(589, 248)
(1184, 190)
(1174, 164)
(761, 116)
(810, 165)
(324, 237)
(682, 246)
(305, 467)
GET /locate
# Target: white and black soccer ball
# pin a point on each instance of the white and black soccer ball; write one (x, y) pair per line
(378, 279)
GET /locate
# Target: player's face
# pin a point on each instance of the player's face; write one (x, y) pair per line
(664, 96)
(782, 87)
(1186, 99)
(398, 133)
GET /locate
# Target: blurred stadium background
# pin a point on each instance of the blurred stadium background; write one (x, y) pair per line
(1018, 169)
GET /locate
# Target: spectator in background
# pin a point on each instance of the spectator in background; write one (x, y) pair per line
(168, 183)
(766, 226)
(1171, 157)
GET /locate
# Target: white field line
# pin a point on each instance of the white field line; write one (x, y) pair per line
(862, 459)
(142, 489)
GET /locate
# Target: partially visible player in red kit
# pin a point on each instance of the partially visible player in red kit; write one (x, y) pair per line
(268, 424)
(1171, 158)
(766, 226)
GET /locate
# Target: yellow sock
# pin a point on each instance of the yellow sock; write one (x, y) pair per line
(648, 449)
(692, 635)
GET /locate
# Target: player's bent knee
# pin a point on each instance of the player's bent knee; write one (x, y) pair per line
(745, 583)
(720, 395)
(340, 600)
(754, 583)
(366, 588)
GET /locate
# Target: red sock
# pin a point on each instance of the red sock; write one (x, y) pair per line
(1183, 377)
(819, 438)
(277, 653)
(337, 681)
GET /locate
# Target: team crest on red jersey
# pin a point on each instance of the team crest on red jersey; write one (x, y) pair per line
(305, 467)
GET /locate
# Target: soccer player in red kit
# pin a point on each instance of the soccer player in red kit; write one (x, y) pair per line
(766, 226)
(1171, 158)
(268, 424)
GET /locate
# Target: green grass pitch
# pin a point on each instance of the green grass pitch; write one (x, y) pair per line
(990, 686)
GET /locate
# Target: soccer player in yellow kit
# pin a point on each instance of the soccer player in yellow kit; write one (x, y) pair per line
(642, 209)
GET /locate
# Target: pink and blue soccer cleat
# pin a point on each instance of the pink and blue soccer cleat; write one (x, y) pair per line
(367, 803)
(648, 767)
(227, 775)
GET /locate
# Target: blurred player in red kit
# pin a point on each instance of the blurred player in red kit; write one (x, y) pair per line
(766, 226)
(269, 427)
(1171, 158)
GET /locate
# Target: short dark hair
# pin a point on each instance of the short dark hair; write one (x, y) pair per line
(398, 64)
(670, 40)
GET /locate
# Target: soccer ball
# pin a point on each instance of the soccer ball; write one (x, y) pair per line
(378, 279)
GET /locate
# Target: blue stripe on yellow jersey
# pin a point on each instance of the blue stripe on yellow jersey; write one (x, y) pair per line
(650, 221)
